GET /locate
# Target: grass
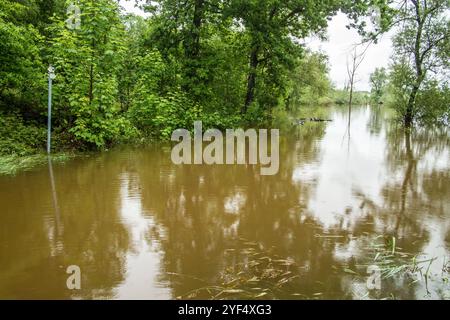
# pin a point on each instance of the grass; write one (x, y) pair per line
(13, 164)
(256, 273)
(396, 264)
(341, 97)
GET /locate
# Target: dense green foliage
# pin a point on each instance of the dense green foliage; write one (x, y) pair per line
(309, 81)
(18, 138)
(87, 62)
(419, 74)
(22, 77)
(378, 81)
(123, 78)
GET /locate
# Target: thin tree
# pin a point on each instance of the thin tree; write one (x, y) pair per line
(352, 66)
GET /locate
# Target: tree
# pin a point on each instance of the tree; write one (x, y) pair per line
(275, 26)
(271, 26)
(87, 63)
(20, 61)
(422, 50)
(268, 33)
(180, 28)
(378, 81)
(352, 67)
(309, 80)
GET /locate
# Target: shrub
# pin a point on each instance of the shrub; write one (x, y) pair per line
(18, 138)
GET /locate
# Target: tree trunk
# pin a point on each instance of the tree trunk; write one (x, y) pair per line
(192, 46)
(193, 49)
(350, 103)
(251, 80)
(409, 114)
(91, 83)
(409, 170)
(91, 74)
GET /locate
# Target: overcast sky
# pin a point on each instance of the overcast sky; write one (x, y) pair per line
(338, 47)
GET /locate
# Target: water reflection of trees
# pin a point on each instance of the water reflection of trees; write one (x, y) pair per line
(376, 120)
(205, 210)
(37, 247)
(415, 199)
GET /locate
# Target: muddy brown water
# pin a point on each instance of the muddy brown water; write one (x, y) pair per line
(140, 227)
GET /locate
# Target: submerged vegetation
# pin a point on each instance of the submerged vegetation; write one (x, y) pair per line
(256, 272)
(10, 165)
(253, 273)
(398, 265)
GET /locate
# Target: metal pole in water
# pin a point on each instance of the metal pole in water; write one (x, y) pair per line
(51, 76)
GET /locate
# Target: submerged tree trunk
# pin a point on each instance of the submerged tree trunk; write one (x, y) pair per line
(251, 80)
(411, 167)
(409, 113)
(350, 103)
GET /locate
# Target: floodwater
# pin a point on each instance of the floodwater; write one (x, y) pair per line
(345, 202)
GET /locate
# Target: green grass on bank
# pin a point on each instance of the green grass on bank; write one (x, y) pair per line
(12, 164)
(341, 97)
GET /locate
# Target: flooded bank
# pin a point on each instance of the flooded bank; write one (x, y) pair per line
(140, 227)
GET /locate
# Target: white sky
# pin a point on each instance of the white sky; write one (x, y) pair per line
(129, 7)
(338, 48)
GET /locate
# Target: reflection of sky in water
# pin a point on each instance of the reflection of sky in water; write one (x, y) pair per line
(143, 260)
(345, 166)
(235, 202)
(355, 168)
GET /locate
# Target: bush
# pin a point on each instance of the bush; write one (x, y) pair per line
(341, 97)
(433, 103)
(158, 117)
(18, 138)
